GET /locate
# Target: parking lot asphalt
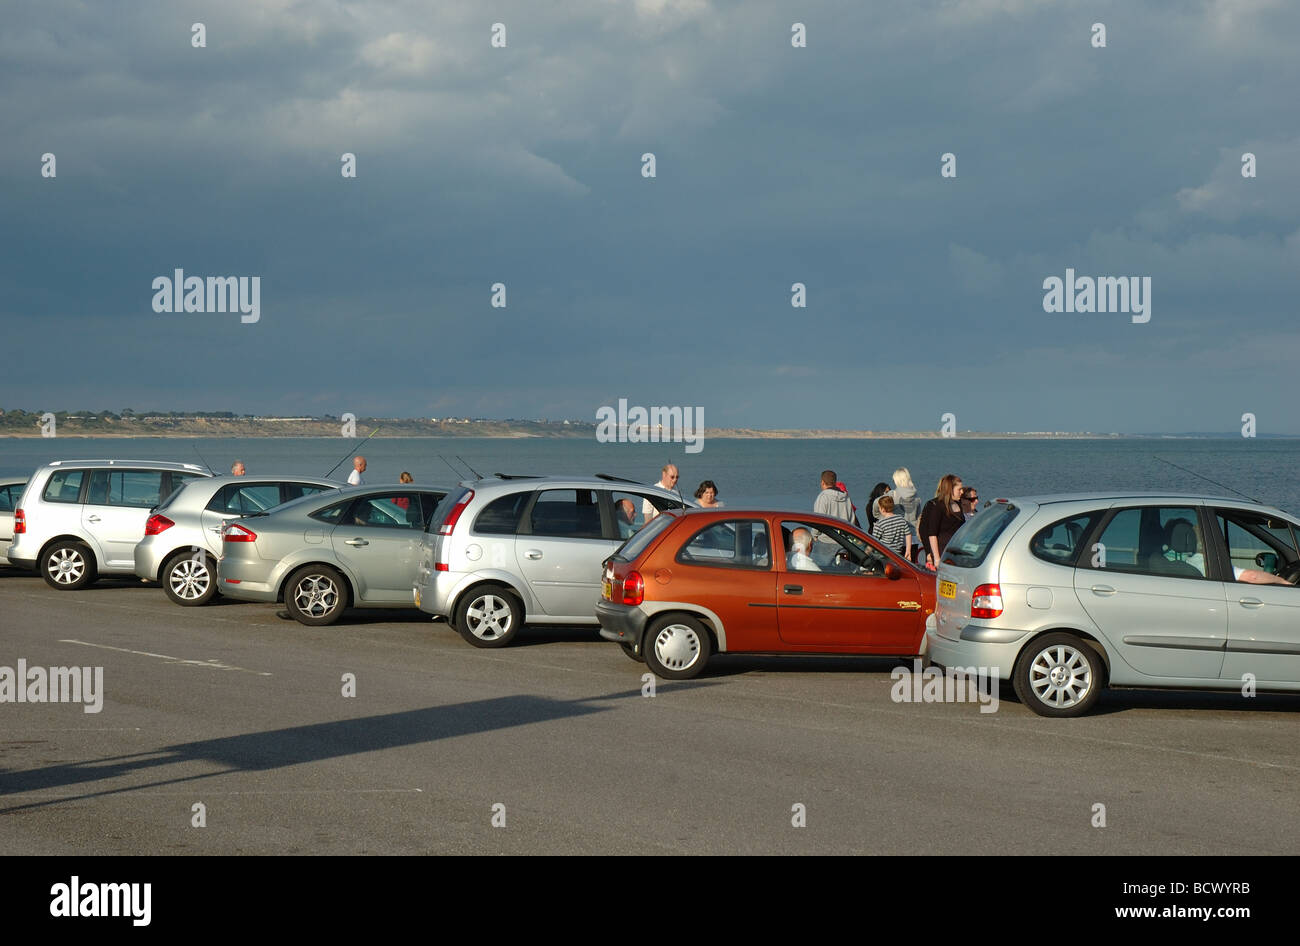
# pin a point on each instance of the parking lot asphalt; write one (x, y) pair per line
(553, 746)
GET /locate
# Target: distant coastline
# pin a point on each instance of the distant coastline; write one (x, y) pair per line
(25, 424)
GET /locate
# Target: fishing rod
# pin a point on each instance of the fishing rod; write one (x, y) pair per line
(201, 460)
(353, 450)
(1206, 478)
(471, 469)
(458, 473)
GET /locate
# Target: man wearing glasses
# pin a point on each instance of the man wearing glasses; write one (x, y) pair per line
(668, 481)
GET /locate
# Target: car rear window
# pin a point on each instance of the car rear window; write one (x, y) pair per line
(631, 550)
(972, 542)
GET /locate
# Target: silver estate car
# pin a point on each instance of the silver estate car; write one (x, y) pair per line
(11, 491)
(80, 519)
(506, 551)
(182, 538)
(1067, 594)
(322, 554)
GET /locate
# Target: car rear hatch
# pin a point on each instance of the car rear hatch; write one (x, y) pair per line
(967, 580)
(618, 566)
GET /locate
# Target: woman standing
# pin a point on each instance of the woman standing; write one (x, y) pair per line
(873, 504)
(707, 494)
(941, 518)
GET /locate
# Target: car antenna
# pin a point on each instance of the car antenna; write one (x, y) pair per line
(1206, 478)
(201, 460)
(352, 451)
(471, 469)
(458, 473)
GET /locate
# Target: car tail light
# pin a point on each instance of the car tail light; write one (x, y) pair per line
(20, 523)
(441, 567)
(633, 588)
(157, 524)
(234, 532)
(986, 601)
(453, 516)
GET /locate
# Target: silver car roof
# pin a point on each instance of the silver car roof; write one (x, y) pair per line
(520, 482)
(1144, 496)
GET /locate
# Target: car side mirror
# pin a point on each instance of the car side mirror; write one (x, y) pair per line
(892, 571)
(1267, 561)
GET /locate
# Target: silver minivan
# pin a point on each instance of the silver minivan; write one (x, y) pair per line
(1064, 595)
(80, 519)
(505, 551)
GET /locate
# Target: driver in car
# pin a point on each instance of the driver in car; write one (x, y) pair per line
(800, 560)
(1250, 575)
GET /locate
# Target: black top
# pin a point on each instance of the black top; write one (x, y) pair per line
(943, 526)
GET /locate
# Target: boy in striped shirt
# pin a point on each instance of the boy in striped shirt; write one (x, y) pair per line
(892, 529)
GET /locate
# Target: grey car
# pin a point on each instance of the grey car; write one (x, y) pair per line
(11, 491)
(182, 538)
(80, 519)
(357, 547)
(506, 551)
(1064, 595)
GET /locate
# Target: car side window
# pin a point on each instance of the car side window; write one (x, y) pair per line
(255, 497)
(1164, 541)
(390, 511)
(735, 543)
(332, 513)
(1256, 542)
(501, 516)
(6, 500)
(64, 486)
(136, 488)
(292, 491)
(814, 547)
(567, 513)
(1060, 542)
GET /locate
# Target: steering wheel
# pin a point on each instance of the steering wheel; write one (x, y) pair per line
(1290, 573)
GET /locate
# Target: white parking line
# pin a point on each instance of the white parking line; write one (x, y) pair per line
(211, 664)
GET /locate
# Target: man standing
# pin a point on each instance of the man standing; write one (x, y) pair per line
(833, 502)
(668, 481)
(237, 468)
(358, 467)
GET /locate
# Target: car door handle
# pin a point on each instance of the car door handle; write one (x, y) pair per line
(793, 589)
(1103, 590)
(92, 518)
(356, 542)
(1251, 603)
(533, 554)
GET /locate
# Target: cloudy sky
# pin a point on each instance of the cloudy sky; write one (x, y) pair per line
(775, 165)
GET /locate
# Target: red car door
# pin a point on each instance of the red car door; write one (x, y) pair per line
(841, 600)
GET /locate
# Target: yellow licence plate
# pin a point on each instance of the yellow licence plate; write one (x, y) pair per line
(947, 589)
(607, 589)
(417, 597)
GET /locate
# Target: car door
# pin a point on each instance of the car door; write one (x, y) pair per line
(1263, 620)
(1148, 590)
(117, 506)
(726, 566)
(378, 541)
(844, 601)
(234, 501)
(559, 548)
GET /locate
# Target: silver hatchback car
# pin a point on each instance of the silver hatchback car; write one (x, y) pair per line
(80, 519)
(182, 538)
(322, 554)
(506, 551)
(1064, 595)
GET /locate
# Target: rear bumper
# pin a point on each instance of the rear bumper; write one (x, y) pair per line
(992, 650)
(148, 560)
(621, 623)
(246, 581)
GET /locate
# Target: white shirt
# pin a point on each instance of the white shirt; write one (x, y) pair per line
(648, 510)
(354, 478)
(801, 562)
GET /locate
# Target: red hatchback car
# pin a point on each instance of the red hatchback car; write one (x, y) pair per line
(705, 581)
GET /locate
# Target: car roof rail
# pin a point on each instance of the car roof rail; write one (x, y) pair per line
(617, 479)
(516, 476)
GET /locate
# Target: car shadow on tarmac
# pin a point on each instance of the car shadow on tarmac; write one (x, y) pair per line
(298, 745)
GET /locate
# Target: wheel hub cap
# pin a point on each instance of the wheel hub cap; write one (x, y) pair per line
(677, 647)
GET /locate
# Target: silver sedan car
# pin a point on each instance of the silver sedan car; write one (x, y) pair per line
(182, 537)
(1064, 595)
(358, 547)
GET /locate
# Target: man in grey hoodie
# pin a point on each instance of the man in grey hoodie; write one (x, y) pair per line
(833, 502)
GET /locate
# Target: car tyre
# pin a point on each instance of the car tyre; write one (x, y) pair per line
(677, 647)
(489, 617)
(68, 566)
(1059, 675)
(316, 595)
(631, 652)
(190, 579)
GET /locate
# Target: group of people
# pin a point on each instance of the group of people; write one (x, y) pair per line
(896, 517)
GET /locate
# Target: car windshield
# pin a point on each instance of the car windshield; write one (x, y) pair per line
(973, 540)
